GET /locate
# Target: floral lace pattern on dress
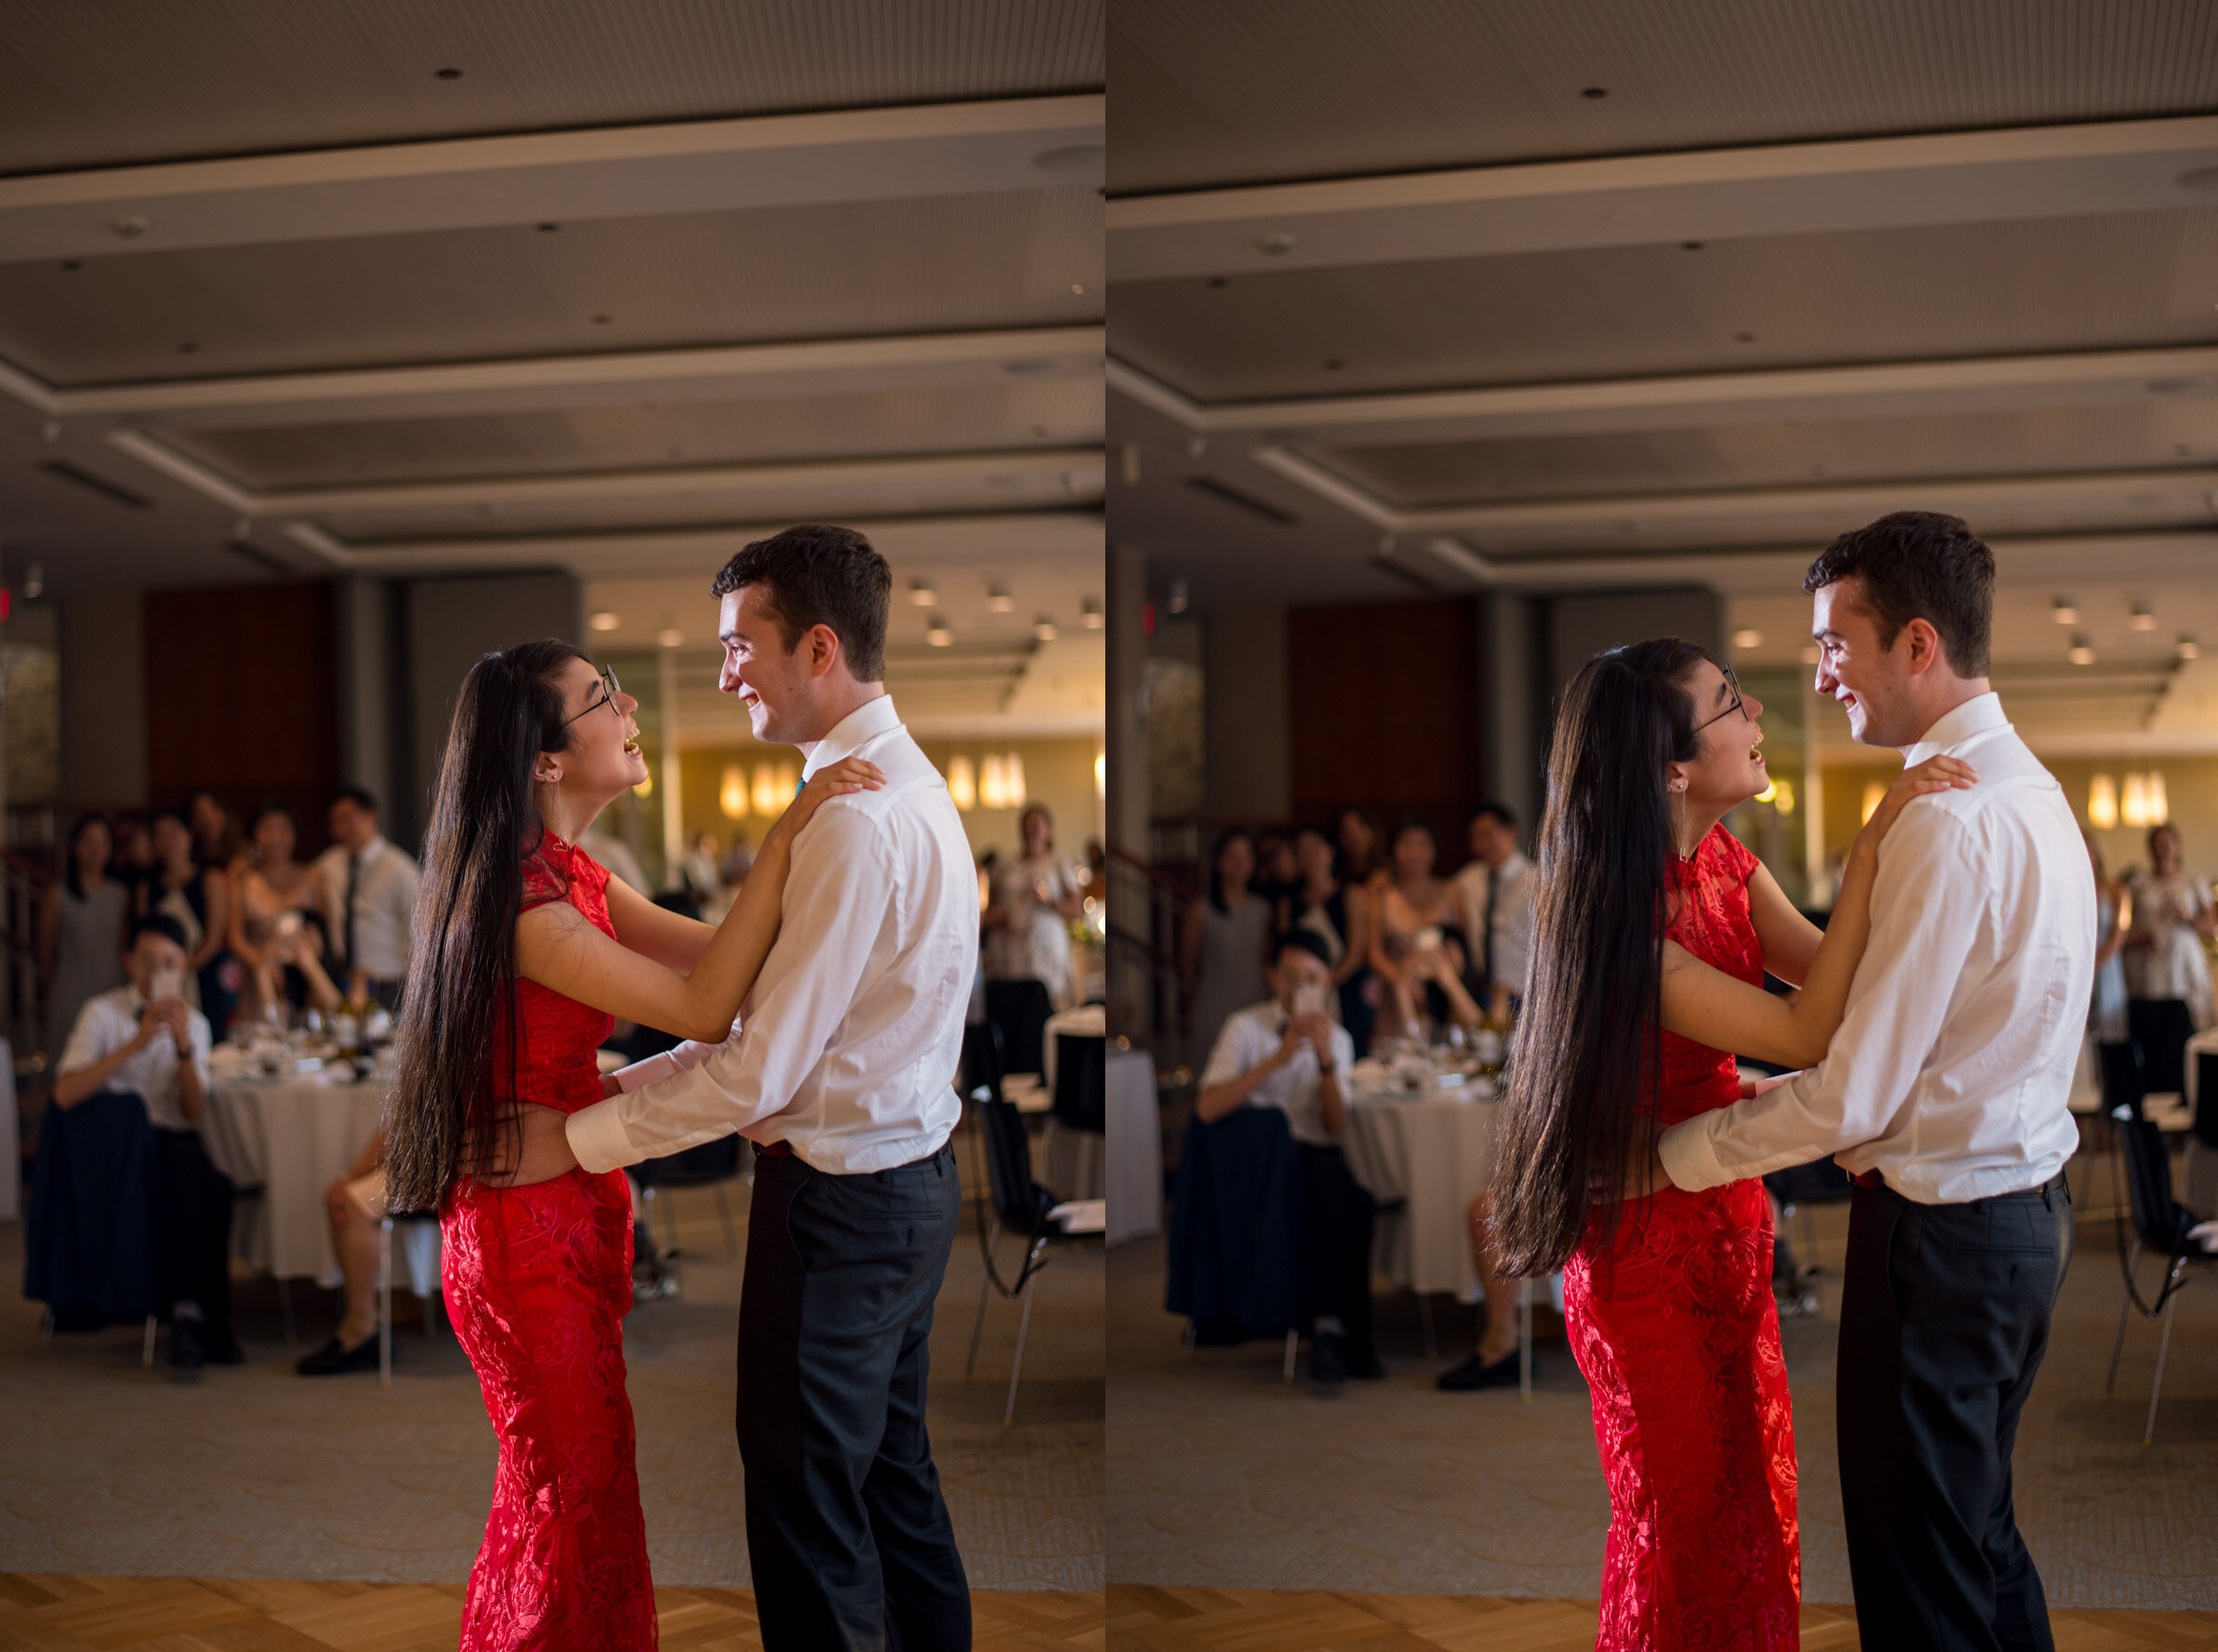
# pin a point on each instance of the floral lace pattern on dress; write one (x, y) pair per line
(1674, 1325)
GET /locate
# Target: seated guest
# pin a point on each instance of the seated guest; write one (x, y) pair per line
(144, 1040)
(369, 888)
(1339, 913)
(298, 976)
(1287, 1053)
(1439, 988)
(354, 1206)
(274, 895)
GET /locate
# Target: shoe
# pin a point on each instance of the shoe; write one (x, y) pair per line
(1327, 1364)
(187, 1353)
(1362, 1361)
(332, 1359)
(221, 1348)
(1475, 1373)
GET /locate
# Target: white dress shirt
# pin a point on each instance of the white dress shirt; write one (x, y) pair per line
(1249, 1038)
(847, 1048)
(378, 939)
(1954, 1061)
(108, 1022)
(1509, 915)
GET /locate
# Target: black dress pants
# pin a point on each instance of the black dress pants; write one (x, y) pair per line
(1337, 1217)
(192, 1229)
(1943, 1321)
(847, 1536)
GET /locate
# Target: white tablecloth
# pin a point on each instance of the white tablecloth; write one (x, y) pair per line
(294, 1137)
(1435, 1152)
(11, 1139)
(1133, 1181)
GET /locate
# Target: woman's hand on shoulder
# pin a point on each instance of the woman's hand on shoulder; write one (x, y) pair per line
(835, 779)
(1936, 774)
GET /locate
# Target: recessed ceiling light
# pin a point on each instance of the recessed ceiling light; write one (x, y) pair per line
(670, 637)
(2141, 619)
(998, 600)
(2082, 651)
(1595, 92)
(2190, 649)
(548, 229)
(1078, 288)
(937, 634)
(922, 592)
(1748, 637)
(1089, 612)
(450, 74)
(605, 620)
(1044, 628)
(2065, 612)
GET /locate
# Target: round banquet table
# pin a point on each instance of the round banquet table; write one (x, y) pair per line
(294, 1137)
(1435, 1150)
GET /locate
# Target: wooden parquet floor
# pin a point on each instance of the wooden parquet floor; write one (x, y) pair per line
(50, 1614)
(1275, 1620)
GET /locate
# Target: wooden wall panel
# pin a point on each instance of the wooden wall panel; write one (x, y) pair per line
(242, 696)
(1386, 714)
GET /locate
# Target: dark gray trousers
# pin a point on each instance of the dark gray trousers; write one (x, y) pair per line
(847, 1536)
(1943, 1321)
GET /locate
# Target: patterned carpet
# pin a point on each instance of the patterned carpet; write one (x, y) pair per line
(111, 1469)
(1222, 1477)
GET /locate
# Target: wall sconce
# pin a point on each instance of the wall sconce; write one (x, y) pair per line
(2101, 802)
(962, 784)
(1875, 794)
(731, 796)
(1101, 773)
(773, 788)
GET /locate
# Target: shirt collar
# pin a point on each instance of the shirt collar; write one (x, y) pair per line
(370, 851)
(865, 722)
(1976, 715)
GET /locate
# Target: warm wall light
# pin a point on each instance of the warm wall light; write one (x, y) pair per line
(1875, 793)
(605, 621)
(1101, 773)
(1748, 637)
(766, 790)
(2101, 802)
(962, 784)
(1770, 793)
(1784, 800)
(2156, 805)
(1012, 780)
(670, 637)
(2133, 808)
(992, 783)
(732, 794)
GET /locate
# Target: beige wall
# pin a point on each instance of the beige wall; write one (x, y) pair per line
(2190, 785)
(1057, 772)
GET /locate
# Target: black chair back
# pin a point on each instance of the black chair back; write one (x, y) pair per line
(2121, 1077)
(2161, 1220)
(2206, 1097)
(89, 1239)
(983, 1066)
(1023, 1204)
(1081, 1082)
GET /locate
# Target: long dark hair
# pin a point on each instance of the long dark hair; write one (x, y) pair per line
(1225, 841)
(70, 874)
(443, 1121)
(1589, 1062)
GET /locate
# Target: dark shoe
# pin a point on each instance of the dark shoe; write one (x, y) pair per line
(1328, 1364)
(187, 1352)
(221, 1348)
(1362, 1362)
(1475, 1373)
(330, 1360)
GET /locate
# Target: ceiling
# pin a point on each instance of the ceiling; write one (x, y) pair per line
(1441, 297)
(406, 288)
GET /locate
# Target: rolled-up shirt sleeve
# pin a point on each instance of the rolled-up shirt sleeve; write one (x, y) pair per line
(1927, 901)
(840, 887)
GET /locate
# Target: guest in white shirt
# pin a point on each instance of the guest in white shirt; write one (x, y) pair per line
(369, 888)
(144, 1040)
(1495, 894)
(2167, 978)
(1288, 1053)
(842, 1071)
(1944, 1094)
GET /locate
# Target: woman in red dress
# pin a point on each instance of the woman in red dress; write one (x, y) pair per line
(1654, 929)
(525, 954)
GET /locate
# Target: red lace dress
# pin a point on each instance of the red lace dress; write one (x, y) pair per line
(1674, 1325)
(538, 1279)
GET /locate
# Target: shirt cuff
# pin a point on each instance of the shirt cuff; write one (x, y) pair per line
(597, 1137)
(639, 1074)
(1690, 1157)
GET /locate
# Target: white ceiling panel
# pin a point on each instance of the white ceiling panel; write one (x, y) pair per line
(99, 85)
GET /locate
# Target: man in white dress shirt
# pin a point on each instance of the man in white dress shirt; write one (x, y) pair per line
(1495, 895)
(1944, 1095)
(370, 886)
(842, 1073)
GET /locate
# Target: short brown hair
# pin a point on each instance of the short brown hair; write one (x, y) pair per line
(819, 575)
(1919, 565)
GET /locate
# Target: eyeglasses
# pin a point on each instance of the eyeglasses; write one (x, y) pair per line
(610, 688)
(1734, 683)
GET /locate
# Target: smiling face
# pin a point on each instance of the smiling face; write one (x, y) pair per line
(603, 758)
(777, 684)
(1414, 853)
(1872, 684)
(1729, 769)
